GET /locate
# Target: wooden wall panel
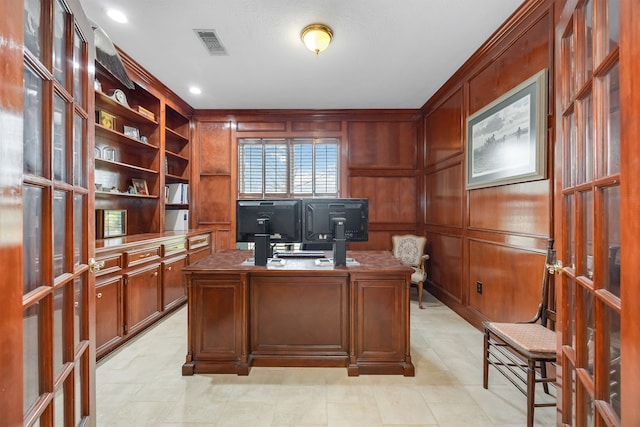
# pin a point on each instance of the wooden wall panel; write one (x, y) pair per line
(443, 131)
(516, 208)
(511, 281)
(512, 221)
(446, 263)
(527, 55)
(391, 199)
(315, 125)
(223, 238)
(266, 126)
(382, 145)
(444, 196)
(215, 155)
(379, 240)
(215, 196)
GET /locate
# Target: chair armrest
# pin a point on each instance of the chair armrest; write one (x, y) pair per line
(423, 258)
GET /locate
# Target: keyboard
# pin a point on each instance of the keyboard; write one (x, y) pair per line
(301, 254)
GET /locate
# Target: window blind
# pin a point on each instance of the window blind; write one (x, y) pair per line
(295, 167)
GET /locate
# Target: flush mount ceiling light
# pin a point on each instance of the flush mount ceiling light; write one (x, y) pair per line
(316, 37)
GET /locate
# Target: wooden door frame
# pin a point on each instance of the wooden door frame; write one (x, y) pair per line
(11, 102)
(629, 208)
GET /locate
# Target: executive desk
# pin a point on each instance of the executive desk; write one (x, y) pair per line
(298, 314)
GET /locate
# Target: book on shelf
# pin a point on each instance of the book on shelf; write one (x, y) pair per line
(177, 194)
(177, 220)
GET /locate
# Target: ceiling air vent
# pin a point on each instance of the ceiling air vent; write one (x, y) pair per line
(211, 42)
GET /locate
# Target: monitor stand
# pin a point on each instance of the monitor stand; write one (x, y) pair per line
(262, 249)
(339, 243)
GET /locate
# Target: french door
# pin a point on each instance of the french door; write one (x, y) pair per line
(58, 351)
(588, 103)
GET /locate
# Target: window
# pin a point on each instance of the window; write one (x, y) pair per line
(288, 167)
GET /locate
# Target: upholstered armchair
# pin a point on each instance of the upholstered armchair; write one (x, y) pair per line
(410, 250)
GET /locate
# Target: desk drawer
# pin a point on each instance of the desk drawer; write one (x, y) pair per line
(111, 264)
(141, 256)
(174, 247)
(199, 241)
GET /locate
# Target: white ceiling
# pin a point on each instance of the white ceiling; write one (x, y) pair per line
(384, 54)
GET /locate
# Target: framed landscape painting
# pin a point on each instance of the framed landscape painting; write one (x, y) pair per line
(507, 139)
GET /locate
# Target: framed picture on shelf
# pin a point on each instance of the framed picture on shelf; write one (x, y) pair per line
(111, 223)
(107, 120)
(140, 187)
(506, 139)
(132, 132)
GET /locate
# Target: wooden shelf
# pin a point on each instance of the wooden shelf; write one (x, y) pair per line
(103, 102)
(116, 137)
(170, 133)
(114, 194)
(114, 166)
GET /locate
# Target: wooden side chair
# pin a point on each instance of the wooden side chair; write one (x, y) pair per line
(521, 351)
(410, 250)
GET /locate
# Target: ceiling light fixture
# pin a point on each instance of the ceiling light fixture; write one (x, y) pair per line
(117, 16)
(316, 37)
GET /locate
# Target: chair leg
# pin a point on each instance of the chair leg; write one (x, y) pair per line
(543, 371)
(531, 391)
(485, 375)
(420, 287)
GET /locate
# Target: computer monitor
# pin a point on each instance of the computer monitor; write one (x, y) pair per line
(279, 218)
(336, 221)
(266, 220)
(319, 219)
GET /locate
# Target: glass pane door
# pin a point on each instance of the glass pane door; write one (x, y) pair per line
(56, 215)
(590, 141)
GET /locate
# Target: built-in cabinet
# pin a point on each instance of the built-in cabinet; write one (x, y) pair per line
(142, 154)
(140, 280)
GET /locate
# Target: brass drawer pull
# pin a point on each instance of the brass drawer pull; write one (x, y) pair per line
(99, 295)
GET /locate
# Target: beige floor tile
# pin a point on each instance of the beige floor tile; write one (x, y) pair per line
(348, 415)
(141, 384)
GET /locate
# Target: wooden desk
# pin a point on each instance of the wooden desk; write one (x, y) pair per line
(298, 314)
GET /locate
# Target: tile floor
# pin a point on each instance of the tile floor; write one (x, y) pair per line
(141, 385)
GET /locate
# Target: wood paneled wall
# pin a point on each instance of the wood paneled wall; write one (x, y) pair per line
(379, 161)
(494, 235)
(410, 164)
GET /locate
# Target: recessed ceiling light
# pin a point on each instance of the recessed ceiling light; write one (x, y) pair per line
(117, 16)
(195, 90)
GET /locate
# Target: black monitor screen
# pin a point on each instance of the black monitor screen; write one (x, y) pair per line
(280, 218)
(318, 222)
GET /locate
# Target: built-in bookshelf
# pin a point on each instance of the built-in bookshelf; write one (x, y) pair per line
(142, 148)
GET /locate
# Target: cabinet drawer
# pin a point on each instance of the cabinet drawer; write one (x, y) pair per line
(174, 247)
(199, 241)
(140, 256)
(111, 264)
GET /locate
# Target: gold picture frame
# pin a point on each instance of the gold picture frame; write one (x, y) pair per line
(106, 120)
(140, 187)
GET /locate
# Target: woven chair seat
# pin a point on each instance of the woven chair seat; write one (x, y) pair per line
(528, 338)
